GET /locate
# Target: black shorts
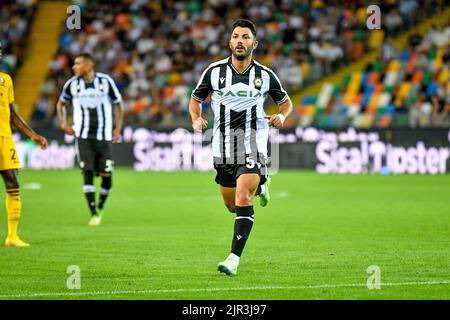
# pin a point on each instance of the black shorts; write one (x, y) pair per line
(94, 155)
(227, 174)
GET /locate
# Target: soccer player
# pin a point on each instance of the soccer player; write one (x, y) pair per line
(9, 160)
(238, 86)
(97, 122)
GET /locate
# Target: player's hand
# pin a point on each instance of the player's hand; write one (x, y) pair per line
(68, 129)
(275, 120)
(40, 140)
(199, 124)
(116, 135)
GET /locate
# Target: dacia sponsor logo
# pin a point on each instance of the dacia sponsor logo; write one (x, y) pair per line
(89, 95)
(240, 93)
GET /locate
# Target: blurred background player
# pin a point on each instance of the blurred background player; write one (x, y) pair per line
(9, 159)
(97, 122)
(238, 86)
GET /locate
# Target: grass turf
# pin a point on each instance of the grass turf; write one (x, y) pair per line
(164, 233)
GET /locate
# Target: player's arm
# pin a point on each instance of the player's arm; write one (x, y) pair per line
(200, 93)
(195, 110)
(22, 126)
(62, 106)
(285, 109)
(61, 110)
(118, 121)
(117, 103)
(280, 96)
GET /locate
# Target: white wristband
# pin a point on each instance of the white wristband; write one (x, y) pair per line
(197, 126)
(282, 117)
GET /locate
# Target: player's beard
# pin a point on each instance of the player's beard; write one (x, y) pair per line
(242, 56)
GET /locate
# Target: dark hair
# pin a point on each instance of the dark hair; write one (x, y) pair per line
(86, 56)
(243, 23)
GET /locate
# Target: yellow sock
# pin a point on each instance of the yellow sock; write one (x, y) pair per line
(13, 206)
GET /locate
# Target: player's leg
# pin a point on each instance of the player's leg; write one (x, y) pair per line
(246, 186)
(9, 166)
(225, 178)
(13, 207)
(264, 193)
(105, 168)
(229, 197)
(245, 191)
(89, 190)
(227, 181)
(86, 158)
(263, 189)
(105, 189)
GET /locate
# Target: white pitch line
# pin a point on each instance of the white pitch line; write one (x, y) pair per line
(121, 292)
(32, 186)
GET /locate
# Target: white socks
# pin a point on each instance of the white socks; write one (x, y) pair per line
(234, 257)
(263, 189)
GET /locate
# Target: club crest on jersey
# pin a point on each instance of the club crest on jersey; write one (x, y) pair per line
(2, 81)
(258, 83)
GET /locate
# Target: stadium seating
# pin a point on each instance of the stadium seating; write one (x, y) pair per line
(15, 21)
(164, 58)
(376, 97)
(156, 51)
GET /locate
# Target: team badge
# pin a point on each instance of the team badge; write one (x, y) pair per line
(258, 83)
(2, 81)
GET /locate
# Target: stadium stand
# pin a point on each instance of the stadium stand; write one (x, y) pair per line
(15, 18)
(37, 43)
(407, 87)
(156, 50)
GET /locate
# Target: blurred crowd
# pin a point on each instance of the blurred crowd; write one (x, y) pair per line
(402, 88)
(156, 50)
(15, 18)
(428, 71)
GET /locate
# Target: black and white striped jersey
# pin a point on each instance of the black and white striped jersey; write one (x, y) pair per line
(93, 111)
(237, 100)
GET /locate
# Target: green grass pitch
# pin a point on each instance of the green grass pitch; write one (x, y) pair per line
(164, 233)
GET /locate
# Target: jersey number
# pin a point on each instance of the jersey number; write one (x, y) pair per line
(109, 165)
(249, 163)
(13, 154)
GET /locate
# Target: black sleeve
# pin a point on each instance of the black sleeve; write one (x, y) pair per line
(276, 90)
(203, 88)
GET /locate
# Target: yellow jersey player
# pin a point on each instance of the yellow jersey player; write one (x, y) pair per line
(9, 160)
